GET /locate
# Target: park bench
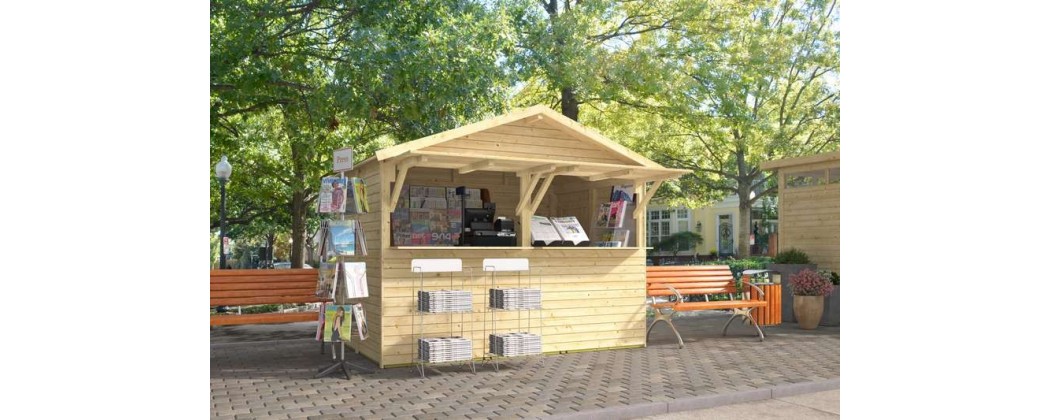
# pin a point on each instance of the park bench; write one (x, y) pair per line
(681, 280)
(262, 287)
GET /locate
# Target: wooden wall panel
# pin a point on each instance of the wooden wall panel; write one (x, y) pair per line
(592, 298)
(809, 220)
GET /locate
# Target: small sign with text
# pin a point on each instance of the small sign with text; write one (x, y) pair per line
(343, 160)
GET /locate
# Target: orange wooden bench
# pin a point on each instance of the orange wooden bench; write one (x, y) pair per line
(679, 280)
(262, 287)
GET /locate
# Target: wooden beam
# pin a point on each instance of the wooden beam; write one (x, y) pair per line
(477, 166)
(644, 200)
(402, 171)
(607, 175)
(536, 170)
(526, 193)
(535, 202)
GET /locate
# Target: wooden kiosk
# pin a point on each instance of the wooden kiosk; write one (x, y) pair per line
(532, 161)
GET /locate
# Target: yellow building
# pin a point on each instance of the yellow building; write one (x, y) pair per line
(717, 223)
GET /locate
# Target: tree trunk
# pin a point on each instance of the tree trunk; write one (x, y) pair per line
(570, 105)
(298, 228)
(744, 235)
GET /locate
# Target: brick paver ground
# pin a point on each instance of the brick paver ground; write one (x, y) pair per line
(268, 372)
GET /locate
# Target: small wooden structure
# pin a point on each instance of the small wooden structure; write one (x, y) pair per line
(532, 161)
(809, 206)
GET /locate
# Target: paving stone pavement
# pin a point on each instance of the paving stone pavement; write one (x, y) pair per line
(267, 371)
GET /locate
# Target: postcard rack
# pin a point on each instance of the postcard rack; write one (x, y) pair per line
(429, 351)
(522, 296)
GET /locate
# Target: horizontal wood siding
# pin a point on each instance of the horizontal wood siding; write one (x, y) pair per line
(592, 298)
(809, 220)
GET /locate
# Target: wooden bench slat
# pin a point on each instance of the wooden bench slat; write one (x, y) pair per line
(241, 301)
(261, 293)
(718, 304)
(304, 285)
(278, 318)
(690, 274)
(263, 273)
(657, 268)
(265, 279)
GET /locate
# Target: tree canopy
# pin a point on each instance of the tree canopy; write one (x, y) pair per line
(712, 86)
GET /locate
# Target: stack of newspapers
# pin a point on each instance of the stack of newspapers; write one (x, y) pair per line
(447, 349)
(445, 301)
(514, 344)
(514, 298)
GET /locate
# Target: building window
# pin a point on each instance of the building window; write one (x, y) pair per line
(664, 223)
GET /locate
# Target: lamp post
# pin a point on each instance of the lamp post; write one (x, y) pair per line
(222, 172)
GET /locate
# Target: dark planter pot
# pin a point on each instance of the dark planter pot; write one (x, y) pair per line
(787, 311)
(831, 310)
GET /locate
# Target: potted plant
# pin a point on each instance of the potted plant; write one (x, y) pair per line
(786, 263)
(809, 289)
(831, 303)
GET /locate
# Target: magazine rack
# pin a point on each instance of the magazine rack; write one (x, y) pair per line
(532, 336)
(451, 266)
(628, 223)
(340, 363)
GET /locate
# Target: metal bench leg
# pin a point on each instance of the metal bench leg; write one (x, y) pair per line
(744, 314)
(660, 316)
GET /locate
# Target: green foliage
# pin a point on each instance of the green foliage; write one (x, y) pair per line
(792, 256)
(832, 276)
(678, 242)
(260, 309)
(737, 266)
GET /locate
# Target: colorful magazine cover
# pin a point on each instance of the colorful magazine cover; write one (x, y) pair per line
(337, 319)
(362, 324)
(362, 245)
(602, 220)
(343, 238)
(332, 197)
(360, 195)
(356, 280)
(622, 193)
(320, 323)
(616, 214)
(326, 282)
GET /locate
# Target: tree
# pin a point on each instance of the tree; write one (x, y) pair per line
(584, 52)
(751, 82)
(679, 241)
(291, 81)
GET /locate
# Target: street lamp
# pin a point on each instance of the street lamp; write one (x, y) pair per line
(222, 172)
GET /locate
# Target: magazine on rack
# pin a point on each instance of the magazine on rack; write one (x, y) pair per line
(359, 195)
(320, 323)
(570, 229)
(356, 280)
(328, 274)
(332, 197)
(362, 325)
(622, 193)
(362, 248)
(337, 319)
(343, 237)
(617, 210)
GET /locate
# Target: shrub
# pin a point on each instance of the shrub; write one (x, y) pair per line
(738, 266)
(260, 309)
(792, 256)
(810, 283)
(832, 276)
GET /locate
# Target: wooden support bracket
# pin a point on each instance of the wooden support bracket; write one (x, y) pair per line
(644, 200)
(477, 166)
(402, 168)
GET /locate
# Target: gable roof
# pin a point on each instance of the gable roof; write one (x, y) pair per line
(529, 137)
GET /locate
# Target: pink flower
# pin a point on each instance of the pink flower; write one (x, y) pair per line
(809, 283)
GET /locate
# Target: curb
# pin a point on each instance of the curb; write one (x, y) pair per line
(701, 402)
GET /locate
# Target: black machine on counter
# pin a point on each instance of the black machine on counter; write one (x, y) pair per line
(481, 228)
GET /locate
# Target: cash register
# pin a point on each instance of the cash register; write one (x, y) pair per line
(482, 228)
